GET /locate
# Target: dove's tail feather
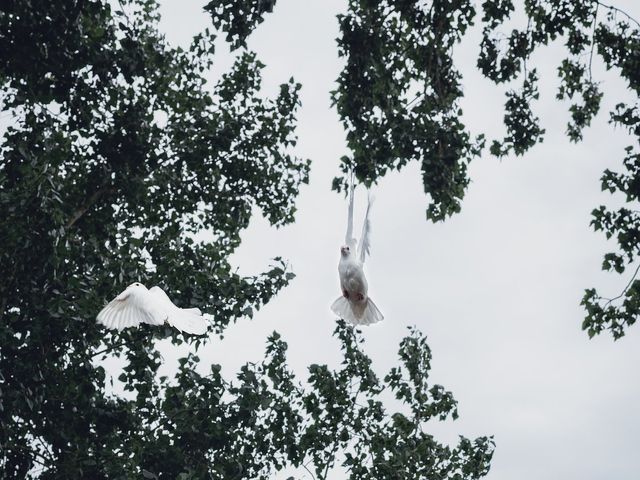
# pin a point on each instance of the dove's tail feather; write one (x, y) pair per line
(357, 314)
(342, 308)
(188, 321)
(371, 313)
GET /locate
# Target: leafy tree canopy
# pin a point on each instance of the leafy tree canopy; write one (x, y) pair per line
(120, 152)
(399, 93)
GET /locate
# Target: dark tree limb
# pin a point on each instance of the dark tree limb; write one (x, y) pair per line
(88, 204)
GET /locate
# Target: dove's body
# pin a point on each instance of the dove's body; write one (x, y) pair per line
(138, 305)
(354, 305)
(352, 279)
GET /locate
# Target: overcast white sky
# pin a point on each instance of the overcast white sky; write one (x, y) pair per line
(496, 288)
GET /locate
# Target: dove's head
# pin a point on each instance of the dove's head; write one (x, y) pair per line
(345, 250)
(136, 285)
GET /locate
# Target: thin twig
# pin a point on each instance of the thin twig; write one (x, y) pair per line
(57, 115)
(3, 305)
(616, 9)
(635, 274)
(175, 414)
(310, 472)
(330, 462)
(124, 13)
(45, 450)
(593, 38)
(34, 453)
(417, 97)
(524, 66)
(109, 349)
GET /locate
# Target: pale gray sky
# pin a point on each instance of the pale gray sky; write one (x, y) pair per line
(496, 288)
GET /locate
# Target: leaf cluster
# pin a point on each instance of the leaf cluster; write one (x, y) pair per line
(399, 91)
(398, 95)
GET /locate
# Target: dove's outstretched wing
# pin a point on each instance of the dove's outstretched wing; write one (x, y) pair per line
(349, 240)
(365, 238)
(131, 308)
(188, 320)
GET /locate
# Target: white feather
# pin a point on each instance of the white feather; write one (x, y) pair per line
(365, 238)
(138, 305)
(131, 308)
(349, 240)
(188, 320)
(363, 313)
(354, 305)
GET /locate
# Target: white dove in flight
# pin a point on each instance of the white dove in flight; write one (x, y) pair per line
(355, 306)
(138, 305)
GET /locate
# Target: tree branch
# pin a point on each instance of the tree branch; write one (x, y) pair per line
(593, 37)
(88, 204)
(616, 9)
(3, 305)
(111, 348)
(526, 55)
(169, 418)
(310, 472)
(610, 300)
(331, 460)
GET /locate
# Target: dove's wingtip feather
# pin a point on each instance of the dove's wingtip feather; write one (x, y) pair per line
(105, 317)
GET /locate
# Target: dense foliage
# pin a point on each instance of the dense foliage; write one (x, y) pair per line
(399, 93)
(118, 158)
(266, 421)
